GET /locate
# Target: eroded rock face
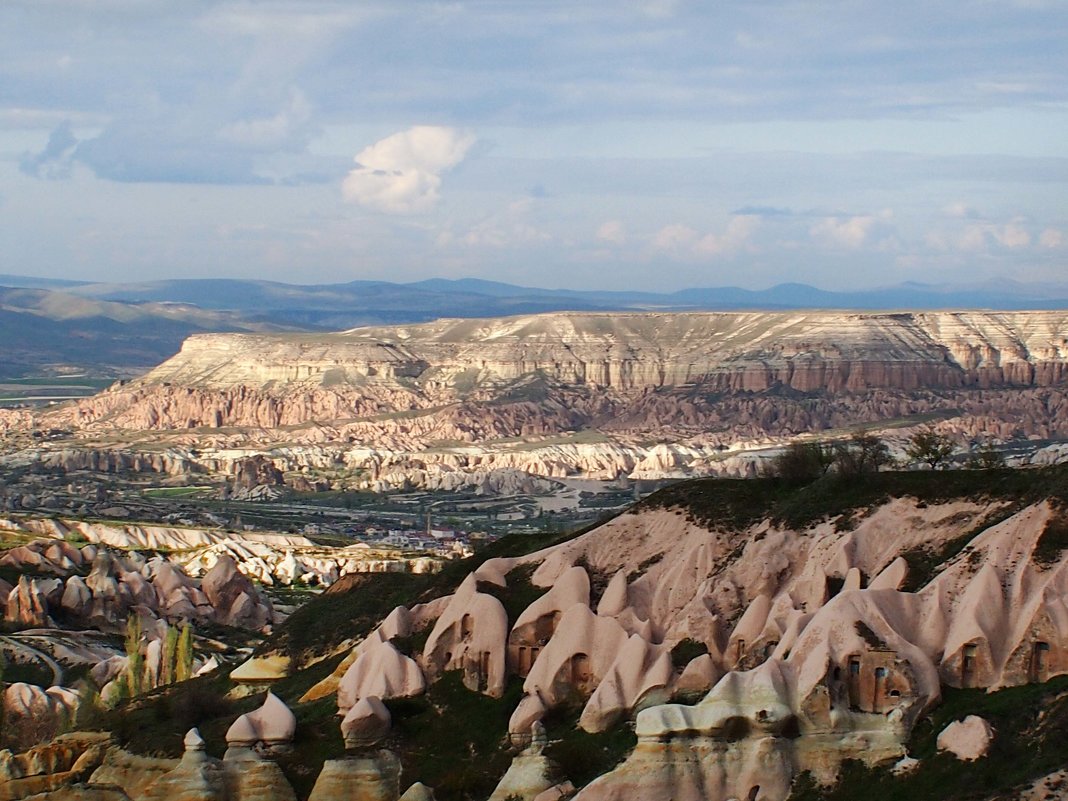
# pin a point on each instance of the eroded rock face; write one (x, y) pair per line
(748, 350)
(374, 777)
(807, 662)
(708, 381)
(234, 597)
(121, 583)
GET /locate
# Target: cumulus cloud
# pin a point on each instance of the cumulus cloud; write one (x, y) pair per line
(682, 240)
(612, 232)
(979, 237)
(847, 232)
(1051, 238)
(961, 211)
(675, 237)
(401, 174)
(1011, 235)
(737, 235)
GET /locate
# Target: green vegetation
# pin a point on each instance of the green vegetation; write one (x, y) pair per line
(350, 609)
(1053, 540)
(453, 739)
(518, 595)
(801, 463)
(738, 503)
(1031, 724)
(135, 661)
(930, 447)
(176, 492)
(986, 458)
(580, 756)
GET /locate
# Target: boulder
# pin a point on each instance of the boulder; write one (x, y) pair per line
(967, 739)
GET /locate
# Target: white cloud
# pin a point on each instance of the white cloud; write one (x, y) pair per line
(1051, 238)
(682, 240)
(961, 211)
(612, 232)
(508, 228)
(849, 232)
(738, 233)
(972, 239)
(674, 237)
(1011, 235)
(401, 174)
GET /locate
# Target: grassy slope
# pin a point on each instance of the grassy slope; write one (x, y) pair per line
(453, 739)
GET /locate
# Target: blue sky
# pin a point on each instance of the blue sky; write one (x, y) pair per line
(639, 145)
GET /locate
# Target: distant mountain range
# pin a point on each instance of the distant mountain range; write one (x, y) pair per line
(117, 328)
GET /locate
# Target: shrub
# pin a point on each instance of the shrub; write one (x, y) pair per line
(930, 447)
(801, 463)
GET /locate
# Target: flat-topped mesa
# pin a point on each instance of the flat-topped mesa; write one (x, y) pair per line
(834, 351)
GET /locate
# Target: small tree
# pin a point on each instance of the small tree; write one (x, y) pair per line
(800, 462)
(930, 447)
(864, 453)
(135, 661)
(183, 661)
(987, 458)
(87, 713)
(169, 666)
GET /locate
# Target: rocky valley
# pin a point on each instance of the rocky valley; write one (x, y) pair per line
(721, 639)
(240, 576)
(477, 404)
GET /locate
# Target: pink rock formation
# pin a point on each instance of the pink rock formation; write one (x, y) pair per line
(418, 792)
(27, 604)
(366, 723)
(381, 671)
(539, 621)
(234, 597)
(273, 724)
(640, 673)
(470, 636)
(967, 739)
(365, 778)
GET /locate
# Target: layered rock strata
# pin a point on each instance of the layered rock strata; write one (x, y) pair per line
(441, 405)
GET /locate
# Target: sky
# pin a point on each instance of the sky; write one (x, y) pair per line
(651, 145)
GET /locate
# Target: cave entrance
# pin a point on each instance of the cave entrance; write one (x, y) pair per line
(879, 691)
(854, 682)
(1040, 662)
(581, 673)
(968, 665)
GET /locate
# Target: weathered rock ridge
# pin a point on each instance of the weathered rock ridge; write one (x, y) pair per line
(460, 404)
(270, 381)
(726, 351)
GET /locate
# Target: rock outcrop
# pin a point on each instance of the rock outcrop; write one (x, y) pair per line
(123, 582)
(806, 662)
(967, 739)
(270, 727)
(382, 400)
